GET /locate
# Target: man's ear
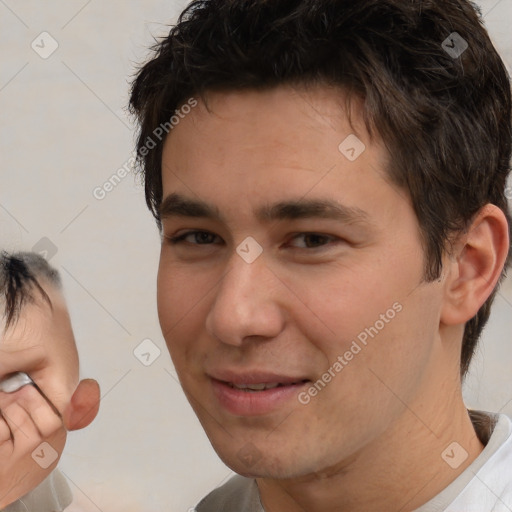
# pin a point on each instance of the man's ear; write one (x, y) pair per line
(84, 405)
(476, 265)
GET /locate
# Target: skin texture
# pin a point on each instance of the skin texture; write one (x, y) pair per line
(41, 344)
(372, 438)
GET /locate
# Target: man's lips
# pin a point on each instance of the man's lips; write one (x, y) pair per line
(256, 392)
(256, 379)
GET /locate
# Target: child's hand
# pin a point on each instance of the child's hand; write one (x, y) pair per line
(27, 421)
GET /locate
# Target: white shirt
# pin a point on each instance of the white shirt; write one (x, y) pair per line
(486, 484)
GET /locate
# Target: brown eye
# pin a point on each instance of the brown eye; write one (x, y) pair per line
(313, 240)
(193, 237)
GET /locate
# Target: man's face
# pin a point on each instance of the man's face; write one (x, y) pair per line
(322, 287)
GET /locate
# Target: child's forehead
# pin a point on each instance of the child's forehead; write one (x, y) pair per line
(54, 311)
(39, 315)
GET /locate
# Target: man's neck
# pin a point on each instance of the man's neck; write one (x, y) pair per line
(402, 470)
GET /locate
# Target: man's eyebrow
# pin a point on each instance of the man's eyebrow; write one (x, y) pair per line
(312, 208)
(178, 205)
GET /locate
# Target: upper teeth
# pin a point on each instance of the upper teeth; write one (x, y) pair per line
(256, 387)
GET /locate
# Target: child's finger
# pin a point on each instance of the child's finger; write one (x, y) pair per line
(23, 430)
(5, 432)
(43, 417)
(45, 420)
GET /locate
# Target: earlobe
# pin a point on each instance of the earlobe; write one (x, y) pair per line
(84, 405)
(476, 267)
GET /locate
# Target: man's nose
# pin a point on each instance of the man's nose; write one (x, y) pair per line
(248, 302)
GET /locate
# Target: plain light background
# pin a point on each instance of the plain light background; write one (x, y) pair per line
(64, 132)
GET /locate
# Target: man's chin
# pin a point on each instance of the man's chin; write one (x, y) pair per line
(253, 462)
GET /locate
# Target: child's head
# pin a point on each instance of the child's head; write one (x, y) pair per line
(37, 324)
(37, 319)
(36, 337)
(20, 274)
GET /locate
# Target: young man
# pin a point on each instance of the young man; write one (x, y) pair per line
(328, 177)
(37, 339)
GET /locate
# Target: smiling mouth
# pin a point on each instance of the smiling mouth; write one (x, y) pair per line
(255, 388)
(256, 393)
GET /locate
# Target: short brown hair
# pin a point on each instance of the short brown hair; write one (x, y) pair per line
(445, 117)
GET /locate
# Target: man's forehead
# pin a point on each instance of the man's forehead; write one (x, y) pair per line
(315, 100)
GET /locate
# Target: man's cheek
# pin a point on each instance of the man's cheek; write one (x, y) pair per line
(169, 310)
(182, 349)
